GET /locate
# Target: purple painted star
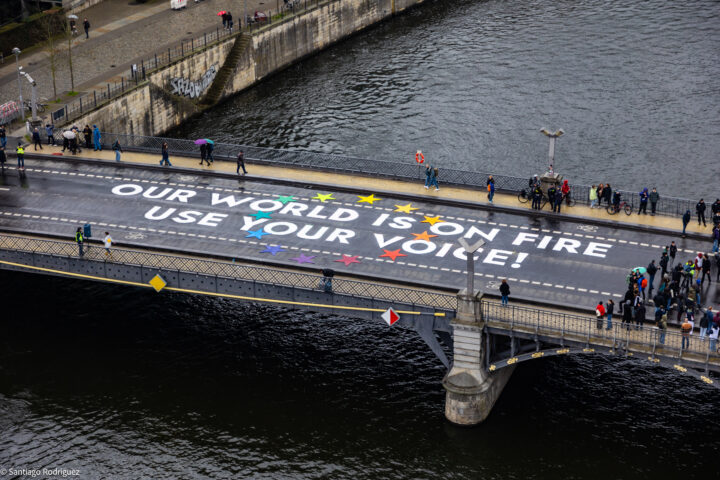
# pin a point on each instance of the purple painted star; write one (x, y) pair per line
(304, 259)
(273, 249)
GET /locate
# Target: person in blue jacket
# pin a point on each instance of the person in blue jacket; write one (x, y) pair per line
(643, 201)
(96, 138)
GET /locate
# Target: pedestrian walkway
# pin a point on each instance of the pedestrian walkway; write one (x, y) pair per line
(673, 224)
(117, 40)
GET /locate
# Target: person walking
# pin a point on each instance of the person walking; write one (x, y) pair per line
(80, 240)
(36, 139)
(96, 138)
(3, 136)
(50, 131)
(86, 26)
(117, 148)
(434, 178)
(241, 163)
(593, 196)
(685, 220)
(504, 291)
(644, 196)
(654, 197)
(664, 263)
(490, 188)
(229, 21)
(3, 158)
(20, 156)
(700, 209)
(716, 238)
(428, 173)
(204, 154)
(609, 309)
(210, 148)
(107, 241)
(165, 155)
(600, 314)
(87, 135)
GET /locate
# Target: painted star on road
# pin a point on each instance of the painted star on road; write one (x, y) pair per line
(392, 254)
(285, 199)
(347, 260)
(423, 236)
(304, 259)
(260, 215)
(432, 220)
(368, 199)
(273, 249)
(323, 197)
(405, 208)
(256, 234)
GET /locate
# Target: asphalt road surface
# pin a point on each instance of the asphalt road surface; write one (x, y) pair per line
(560, 262)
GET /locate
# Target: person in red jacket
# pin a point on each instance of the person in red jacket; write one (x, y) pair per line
(600, 312)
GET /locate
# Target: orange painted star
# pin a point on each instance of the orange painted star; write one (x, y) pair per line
(423, 236)
(432, 220)
(392, 254)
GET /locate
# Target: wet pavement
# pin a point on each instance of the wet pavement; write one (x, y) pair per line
(370, 234)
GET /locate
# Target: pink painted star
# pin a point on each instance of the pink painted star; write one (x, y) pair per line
(347, 260)
(304, 258)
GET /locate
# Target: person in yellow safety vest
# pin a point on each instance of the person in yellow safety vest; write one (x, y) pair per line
(79, 239)
(419, 157)
(21, 156)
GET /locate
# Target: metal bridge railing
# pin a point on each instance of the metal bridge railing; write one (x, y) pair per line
(218, 268)
(584, 327)
(364, 166)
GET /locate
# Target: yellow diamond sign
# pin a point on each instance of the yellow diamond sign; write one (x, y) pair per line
(158, 283)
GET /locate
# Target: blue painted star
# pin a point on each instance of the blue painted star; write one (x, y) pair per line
(304, 259)
(273, 249)
(256, 234)
(260, 215)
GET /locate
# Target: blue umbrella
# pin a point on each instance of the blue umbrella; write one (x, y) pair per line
(209, 141)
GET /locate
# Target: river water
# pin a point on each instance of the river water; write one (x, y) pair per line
(122, 383)
(635, 86)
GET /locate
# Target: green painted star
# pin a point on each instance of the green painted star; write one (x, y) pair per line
(285, 199)
(260, 215)
(323, 197)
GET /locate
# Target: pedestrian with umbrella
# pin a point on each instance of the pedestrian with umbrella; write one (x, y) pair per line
(210, 148)
(203, 150)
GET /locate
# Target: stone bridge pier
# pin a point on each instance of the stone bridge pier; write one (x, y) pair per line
(471, 389)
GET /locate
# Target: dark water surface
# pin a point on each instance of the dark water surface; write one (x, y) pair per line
(635, 85)
(124, 383)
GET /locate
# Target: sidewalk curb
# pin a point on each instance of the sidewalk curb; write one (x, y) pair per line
(403, 196)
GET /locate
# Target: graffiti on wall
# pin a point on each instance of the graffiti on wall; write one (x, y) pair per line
(183, 86)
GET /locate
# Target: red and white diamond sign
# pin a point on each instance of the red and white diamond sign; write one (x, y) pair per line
(390, 316)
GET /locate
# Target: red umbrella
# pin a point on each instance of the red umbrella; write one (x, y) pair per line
(221, 13)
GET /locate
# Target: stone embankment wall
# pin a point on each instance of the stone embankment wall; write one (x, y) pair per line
(173, 93)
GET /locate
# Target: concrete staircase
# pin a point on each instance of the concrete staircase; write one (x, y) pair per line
(242, 42)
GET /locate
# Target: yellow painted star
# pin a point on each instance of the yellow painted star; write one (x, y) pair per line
(405, 208)
(423, 236)
(432, 220)
(368, 199)
(323, 197)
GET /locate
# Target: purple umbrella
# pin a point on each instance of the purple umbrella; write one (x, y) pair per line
(200, 141)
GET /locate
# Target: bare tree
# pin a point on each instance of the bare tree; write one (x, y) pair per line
(51, 26)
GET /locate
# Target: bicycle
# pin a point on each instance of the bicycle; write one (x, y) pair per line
(40, 106)
(524, 197)
(624, 206)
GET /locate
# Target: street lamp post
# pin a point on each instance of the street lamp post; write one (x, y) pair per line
(552, 136)
(16, 51)
(33, 100)
(470, 255)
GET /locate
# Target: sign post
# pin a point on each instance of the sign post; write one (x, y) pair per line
(469, 252)
(390, 316)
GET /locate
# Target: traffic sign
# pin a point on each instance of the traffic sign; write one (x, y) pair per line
(390, 316)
